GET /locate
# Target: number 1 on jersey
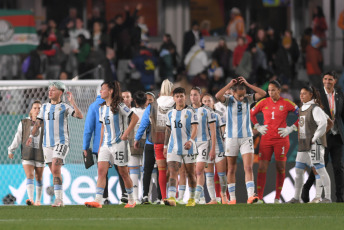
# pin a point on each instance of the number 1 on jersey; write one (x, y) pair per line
(273, 115)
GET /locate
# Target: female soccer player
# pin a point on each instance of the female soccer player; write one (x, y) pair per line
(220, 159)
(239, 133)
(313, 124)
(55, 114)
(32, 156)
(113, 141)
(275, 137)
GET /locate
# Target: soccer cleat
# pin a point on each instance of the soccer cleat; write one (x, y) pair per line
(58, 203)
(252, 199)
(30, 202)
(124, 198)
(231, 202)
(145, 200)
(106, 201)
(305, 195)
(294, 201)
(276, 201)
(130, 205)
(325, 201)
(223, 199)
(201, 200)
(93, 204)
(180, 201)
(37, 203)
(157, 201)
(315, 200)
(212, 202)
(260, 202)
(191, 203)
(170, 201)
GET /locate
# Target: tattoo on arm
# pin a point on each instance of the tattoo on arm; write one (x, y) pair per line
(57, 180)
(38, 123)
(167, 135)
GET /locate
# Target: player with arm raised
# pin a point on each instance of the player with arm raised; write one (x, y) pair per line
(113, 141)
(54, 115)
(275, 136)
(239, 133)
(180, 145)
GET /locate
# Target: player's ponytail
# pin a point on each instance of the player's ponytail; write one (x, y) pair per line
(315, 95)
(116, 96)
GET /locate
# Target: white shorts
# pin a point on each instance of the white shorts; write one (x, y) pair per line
(218, 157)
(58, 151)
(235, 145)
(135, 160)
(33, 163)
(203, 149)
(315, 156)
(116, 154)
(179, 158)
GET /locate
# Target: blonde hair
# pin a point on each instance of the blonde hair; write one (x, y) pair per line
(166, 88)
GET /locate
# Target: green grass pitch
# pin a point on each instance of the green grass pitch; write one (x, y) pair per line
(240, 216)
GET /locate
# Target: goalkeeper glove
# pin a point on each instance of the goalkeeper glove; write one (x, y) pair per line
(283, 132)
(261, 128)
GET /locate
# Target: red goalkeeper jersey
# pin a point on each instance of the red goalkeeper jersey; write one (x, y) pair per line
(275, 115)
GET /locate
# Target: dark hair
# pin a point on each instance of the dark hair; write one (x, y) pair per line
(179, 90)
(238, 86)
(140, 98)
(82, 39)
(118, 16)
(198, 89)
(194, 23)
(315, 95)
(150, 93)
(275, 83)
(116, 95)
(251, 46)
(331, 73)
(320, 13)
(35, 102)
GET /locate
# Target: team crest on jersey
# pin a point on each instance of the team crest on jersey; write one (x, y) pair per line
(302, 121)
(126, 109)
(60, 109)
(281, 107)
(202, 114)
(186, 116)
(195, 117)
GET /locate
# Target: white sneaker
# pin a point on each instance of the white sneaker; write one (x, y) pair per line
(277, 201)
(180, 201)
(58, 203)
(315, 200)
(138, 202)
(201, 200)
(259, 202)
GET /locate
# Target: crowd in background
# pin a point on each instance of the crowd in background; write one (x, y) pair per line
(119, 49)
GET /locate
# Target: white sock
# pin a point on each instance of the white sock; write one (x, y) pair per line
(199, 189)
(223, 182)
(181, 191)
(134, 176)
(58, 191)
(299, 169)
(250, 188)
(39, 186)
(318, 186)
(231, 190)
(325, 179)
(30, 188)
(153, 180)
(130, 192)
(172, 192)
(192, 192)
(210, 185)
(99, 195)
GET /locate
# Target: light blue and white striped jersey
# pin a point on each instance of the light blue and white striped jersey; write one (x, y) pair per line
(55, 118)
(205, 116)
(114, 124)
(220, 122)
(180, 122)
(238, 117)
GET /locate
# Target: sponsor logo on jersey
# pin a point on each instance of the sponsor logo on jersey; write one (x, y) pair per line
(126, 109)
(266, 107)
(281, 107)
(195, 117)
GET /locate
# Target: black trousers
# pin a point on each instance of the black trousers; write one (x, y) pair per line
(148, 169)
(335, 151)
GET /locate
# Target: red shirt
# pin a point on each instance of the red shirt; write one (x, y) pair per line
(275, 115)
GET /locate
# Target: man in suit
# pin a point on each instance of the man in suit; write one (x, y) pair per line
(332, 99)
(191, 38)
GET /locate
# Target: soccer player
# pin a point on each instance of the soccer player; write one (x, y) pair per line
(55, 114)
(205, 147)
(32, 156)
(180, 145)
(136, 157)
(127, 98)
(113, 141)
(220, 159)
(239, 133)
(313, 124)
(275, 136)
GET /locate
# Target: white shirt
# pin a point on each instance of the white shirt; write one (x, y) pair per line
(220, 121)
(55, 118)
(139, 112)
(114, 124)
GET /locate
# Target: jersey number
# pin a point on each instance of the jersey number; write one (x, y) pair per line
(61, 149)
(52, 116)
(107, 120)
(273, 115)
(178, 125)
(239, 108)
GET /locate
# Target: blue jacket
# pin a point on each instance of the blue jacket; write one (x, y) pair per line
(92, 126)
(145, 124)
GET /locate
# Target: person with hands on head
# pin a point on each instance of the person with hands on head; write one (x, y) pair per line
(275, 135)
(54, 114)
(113, 145)
(239, 133)
(180, 145)
(32, 156)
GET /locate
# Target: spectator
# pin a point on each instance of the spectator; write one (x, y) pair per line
(240, 49)
(69, 21)
(109, 66)
(195, 61)
(272, 45)
(75, 32)
(284, 62)
(166, 63)
(294, 49)
(99, 39)
(143, 27)
(304, 42)
(216, 82)
(205, 28)
(285, 93)
(340, 24)
(319, 25)
(236, 25)
(245, 67)
(313, 60)
(167, 43)
(42, 32)
(202, 81)
(55, 57)
(191, 38)
(82, 53)
(52, 29)
(96, 17)
(223, 56)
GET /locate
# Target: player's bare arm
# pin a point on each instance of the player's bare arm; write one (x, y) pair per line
(220, 95)
(77, 113)
(133, 120)
(167, 138)
(35, 128)
(260, 93)
(212, 127)
(191, 141)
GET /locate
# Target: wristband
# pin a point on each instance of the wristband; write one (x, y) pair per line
(192, 141)
(31, 136)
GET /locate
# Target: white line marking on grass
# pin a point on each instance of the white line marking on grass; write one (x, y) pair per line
(83, 219)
